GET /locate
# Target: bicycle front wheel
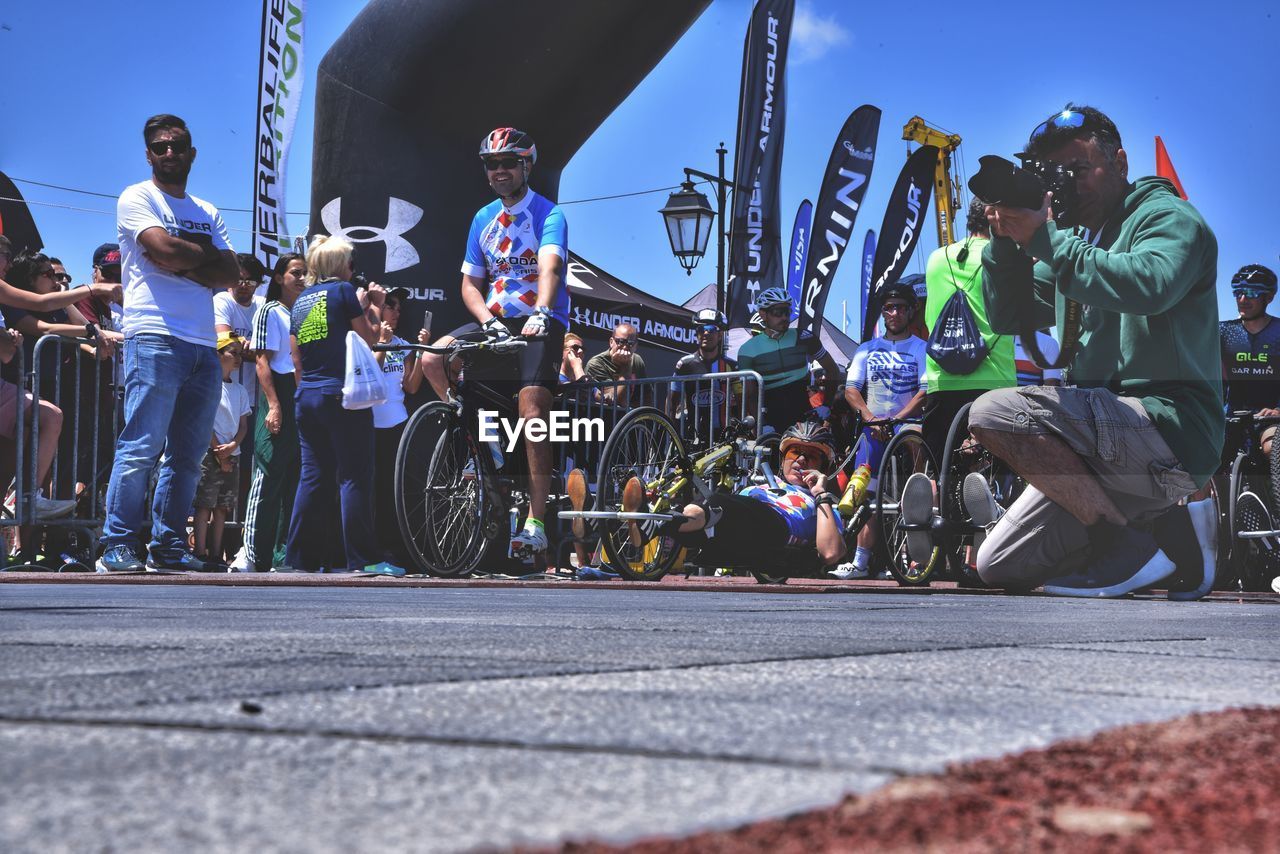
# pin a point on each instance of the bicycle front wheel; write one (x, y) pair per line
(443, 499)
(645, 444)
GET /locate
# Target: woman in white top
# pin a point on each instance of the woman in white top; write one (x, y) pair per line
(400, 375)
(276, 452)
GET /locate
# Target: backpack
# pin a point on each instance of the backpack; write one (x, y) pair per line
(955, 342)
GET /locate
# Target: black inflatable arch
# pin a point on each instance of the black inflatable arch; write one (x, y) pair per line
(407, 92)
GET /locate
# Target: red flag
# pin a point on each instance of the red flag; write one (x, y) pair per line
(1164, 167)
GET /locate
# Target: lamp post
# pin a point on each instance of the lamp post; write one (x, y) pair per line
(688, 217)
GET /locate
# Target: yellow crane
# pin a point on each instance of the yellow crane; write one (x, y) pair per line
(946, 186)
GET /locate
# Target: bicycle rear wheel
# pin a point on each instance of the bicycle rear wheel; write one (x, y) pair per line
(905, 455)
(443, 495)
(645, 444)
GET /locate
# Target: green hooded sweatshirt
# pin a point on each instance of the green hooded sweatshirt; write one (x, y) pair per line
(1150, 322)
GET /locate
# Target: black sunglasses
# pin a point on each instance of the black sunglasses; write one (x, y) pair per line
(62, 278)
(502, 163)
(160, 146)
(708, 327)
(624, 342)
(778, 310)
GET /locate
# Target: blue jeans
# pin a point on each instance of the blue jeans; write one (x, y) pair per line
(171, 395)
(337, 470)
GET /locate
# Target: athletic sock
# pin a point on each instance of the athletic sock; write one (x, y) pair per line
(862, 558)
(536, 524)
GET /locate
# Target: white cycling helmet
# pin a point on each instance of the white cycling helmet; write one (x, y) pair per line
(770, 297)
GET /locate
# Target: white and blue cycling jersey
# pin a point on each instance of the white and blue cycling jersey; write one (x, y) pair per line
(888, 373)
(503, 248)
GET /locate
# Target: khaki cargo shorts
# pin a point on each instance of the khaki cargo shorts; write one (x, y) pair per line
(1037, 539)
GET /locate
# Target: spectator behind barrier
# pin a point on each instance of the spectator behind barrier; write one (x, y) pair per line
(219, 486)
(276, 453)
(571, 364)
(401, 375)
(707, 406)
(337, 443)
(619, 362)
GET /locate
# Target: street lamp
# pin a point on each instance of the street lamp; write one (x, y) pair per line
(688, 217)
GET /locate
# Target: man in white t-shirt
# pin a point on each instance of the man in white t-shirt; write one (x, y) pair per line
(174, 256)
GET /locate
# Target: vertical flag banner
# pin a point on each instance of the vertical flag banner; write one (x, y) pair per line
(279, 97)
(901, 227)
(843, 186)
(1164, 167)
(16, 221)
(868, 262)
(755, 238)
(799, 250)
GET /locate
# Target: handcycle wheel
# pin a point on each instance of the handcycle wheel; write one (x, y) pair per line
(645, 444)
(443, 494)
(904, 455)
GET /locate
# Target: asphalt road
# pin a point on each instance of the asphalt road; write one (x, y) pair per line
(149, 717)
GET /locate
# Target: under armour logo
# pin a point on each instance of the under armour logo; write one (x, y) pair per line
(401, 216)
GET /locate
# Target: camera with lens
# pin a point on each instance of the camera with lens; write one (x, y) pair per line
(1000, 182)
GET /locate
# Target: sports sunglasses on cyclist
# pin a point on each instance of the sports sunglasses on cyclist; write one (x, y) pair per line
(494, 164)
(1248, 293)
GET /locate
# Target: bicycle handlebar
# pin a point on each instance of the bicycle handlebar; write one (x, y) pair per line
(458, 345)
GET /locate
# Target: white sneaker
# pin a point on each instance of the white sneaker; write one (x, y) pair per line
(849, 570)
(54, 508)
(529, 540)
(1275, 584)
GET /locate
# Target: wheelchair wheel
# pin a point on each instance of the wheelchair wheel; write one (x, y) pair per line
(645, 444)
(445, 507)
(905, 455)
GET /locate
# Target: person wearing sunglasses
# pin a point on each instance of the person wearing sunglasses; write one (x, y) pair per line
(513, 283)
(1141, 426)
(175, 255)
(707, 402)
(619, 362)
(1251, 349)
(752, 527)
(781, 355)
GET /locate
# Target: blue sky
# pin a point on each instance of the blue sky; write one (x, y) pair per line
(83, 76)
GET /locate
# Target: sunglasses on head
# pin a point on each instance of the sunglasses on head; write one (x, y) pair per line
(160, 146)
(502, 163)
(1064, 119)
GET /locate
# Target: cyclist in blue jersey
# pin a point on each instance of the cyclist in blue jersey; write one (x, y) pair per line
(1251, 349)
(781, 355)
(885, 380)
(513, 283)
(752, 527)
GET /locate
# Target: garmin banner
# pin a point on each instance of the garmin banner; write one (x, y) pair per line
(279, 96)
(843, 186)
(755, 239)
(868, 262)
(901, 227)
(799, 251)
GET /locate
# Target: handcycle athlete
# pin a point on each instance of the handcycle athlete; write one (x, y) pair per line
(517, 250)
(756, 525)
(1251, 349)
(885, 381)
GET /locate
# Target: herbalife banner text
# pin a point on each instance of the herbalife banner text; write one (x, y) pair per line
(755, 240)
(843, 186)
(901, 227)
(279, 96)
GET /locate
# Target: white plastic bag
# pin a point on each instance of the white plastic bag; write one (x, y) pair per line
(363, 386)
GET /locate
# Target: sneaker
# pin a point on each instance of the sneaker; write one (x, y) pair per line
(384, 568)
(1189, 535)
(845, 571)
(632, 498)
(1132, 561)
(917, 509)
(119, 559)
(54, 508)
(596, 573)
(979, 503)
(1275, 584)
(576, 486)
(530, 539)
(180, 562)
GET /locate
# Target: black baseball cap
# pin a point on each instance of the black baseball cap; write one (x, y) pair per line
(106, 255)
(400, 294)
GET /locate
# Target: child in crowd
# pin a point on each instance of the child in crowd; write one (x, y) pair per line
(220, 471)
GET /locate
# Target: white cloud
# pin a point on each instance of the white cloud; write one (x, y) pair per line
(813, 35)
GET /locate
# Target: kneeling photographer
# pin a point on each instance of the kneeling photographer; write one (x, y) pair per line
(1129, 270)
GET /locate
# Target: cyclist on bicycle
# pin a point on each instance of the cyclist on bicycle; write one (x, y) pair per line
(781, 355)
(885, 380)
(1251, 349)
(513, 283)
(756, 523)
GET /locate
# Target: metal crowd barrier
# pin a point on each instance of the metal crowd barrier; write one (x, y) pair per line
(83, 388)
